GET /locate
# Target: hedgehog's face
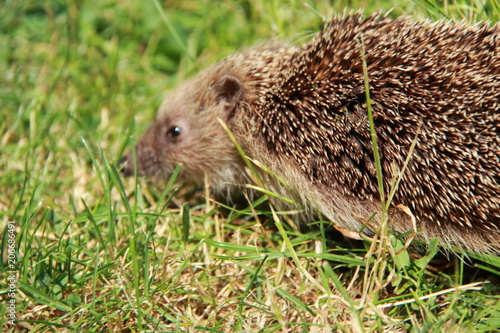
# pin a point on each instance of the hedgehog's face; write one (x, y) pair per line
(187, 131)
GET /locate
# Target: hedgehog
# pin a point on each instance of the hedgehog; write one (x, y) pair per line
(301, 112)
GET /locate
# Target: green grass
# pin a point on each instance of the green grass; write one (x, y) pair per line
(99, 253)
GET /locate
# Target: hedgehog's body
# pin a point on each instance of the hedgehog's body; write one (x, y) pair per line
(302, 113)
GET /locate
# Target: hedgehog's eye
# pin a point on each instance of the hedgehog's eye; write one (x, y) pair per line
(174, 132)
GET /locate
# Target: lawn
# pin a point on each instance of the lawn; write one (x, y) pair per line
(86, 250)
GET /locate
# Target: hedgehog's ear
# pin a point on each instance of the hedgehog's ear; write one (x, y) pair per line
(228, 91)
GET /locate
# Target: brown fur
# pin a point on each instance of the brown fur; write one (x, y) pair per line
(302, 113)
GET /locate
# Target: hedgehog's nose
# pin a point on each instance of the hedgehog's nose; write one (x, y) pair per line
(124, 166)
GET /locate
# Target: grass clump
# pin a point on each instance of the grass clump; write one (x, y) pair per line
(96, 253)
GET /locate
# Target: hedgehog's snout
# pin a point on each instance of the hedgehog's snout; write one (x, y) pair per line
(125, 167)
